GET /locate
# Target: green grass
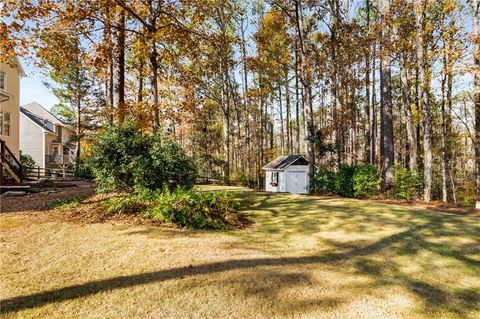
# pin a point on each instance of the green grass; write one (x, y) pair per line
(65, 203)
(311, 257)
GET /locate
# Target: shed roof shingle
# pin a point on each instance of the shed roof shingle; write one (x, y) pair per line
(282, 162)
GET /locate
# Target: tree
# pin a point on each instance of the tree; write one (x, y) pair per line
(386, 95)
(423, 101)
(476, 57)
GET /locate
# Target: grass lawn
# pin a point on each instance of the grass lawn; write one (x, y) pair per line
(309, 257)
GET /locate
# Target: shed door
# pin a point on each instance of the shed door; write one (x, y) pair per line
(297, 182)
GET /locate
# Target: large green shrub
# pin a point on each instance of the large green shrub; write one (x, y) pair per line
(367, 181)
(360, 181)
(28, 164)
(344, 181)
(407, 185)
(324, 182)
(189, 208)
(125, 159)
(182, 207)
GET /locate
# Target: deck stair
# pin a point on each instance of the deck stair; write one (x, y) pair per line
(9, 165)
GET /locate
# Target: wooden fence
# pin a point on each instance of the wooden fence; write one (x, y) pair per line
(38, 173)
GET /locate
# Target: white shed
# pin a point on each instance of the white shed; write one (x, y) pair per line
(287, 174)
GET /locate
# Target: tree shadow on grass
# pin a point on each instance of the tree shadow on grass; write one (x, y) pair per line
(90, 288)
(422, 228)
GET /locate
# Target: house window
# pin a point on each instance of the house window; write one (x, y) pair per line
(5, 123)
(274, 177)
(2, 80)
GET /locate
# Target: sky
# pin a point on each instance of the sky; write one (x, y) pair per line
(32, 88)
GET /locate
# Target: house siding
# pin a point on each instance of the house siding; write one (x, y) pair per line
(12, 87)
(39, 142)
(31, 140)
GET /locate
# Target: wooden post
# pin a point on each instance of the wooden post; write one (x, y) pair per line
(38, 171)
(2, 156)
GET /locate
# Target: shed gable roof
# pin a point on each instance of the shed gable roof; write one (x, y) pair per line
(283, 162)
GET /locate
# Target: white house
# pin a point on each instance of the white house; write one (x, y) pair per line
(287, 174)
(45, 138)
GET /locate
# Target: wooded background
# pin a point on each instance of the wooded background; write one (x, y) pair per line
(238, 83)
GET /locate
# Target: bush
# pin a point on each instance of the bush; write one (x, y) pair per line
(83, 170)
(406, 184)
(324, 182)
(344, 181)
(360, 181)
(182, 207)
(125, 159)
(125, 205)
(367, 181)
(200, 210)
(28, 164)
(466, 194)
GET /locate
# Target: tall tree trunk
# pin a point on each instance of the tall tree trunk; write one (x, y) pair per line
(78, 103)
(335, 90)
(412, 143)
(368, 127)
(119, 66)
(297, 99)
(109, 86)
(246, 100)
(419, 8)
(476, 98)
(386, 97)
(444, 127)
(287, 109)
(154, 69)
(282, 127)
(306, 83)
(448, 128)
(374, 125)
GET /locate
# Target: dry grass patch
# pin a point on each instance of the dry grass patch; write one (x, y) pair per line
(306, 257)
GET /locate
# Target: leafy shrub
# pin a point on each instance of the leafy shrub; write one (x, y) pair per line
(243, 180)
(366, 181)
(125, 159)
(28, 163)
(83, 170)
(125, 205)
(168, 157)
(190, 208)
(182, 207)
(324, 182)
(406, 184)
(466, 194)
(344, 181)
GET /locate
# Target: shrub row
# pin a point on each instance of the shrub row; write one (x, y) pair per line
(350, 181)
(363, 181)
(182, 207)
